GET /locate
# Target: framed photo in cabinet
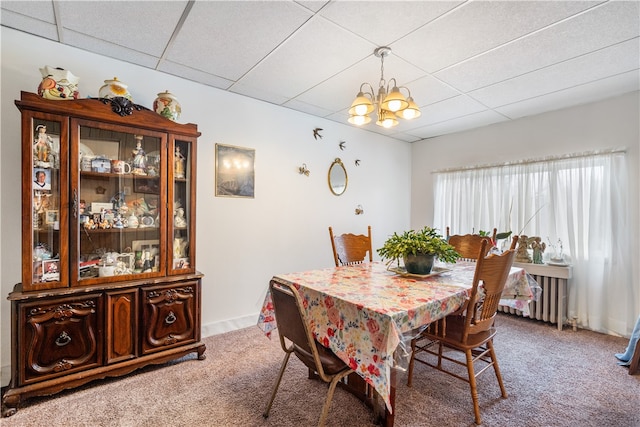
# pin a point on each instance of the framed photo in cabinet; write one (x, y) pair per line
(51, 217)
(146, 185)
(235, 171)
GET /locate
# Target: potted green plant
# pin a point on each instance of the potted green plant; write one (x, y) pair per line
(418, 250)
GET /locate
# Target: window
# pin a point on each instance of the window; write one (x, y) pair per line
(578, 200)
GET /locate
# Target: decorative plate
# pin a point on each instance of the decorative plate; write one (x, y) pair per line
(435, 271)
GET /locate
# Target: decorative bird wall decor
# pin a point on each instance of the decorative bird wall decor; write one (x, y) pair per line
(303, 170)
(316, 133)
(357, 162)
(342, 145)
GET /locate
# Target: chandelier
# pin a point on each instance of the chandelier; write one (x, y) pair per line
(389, 103)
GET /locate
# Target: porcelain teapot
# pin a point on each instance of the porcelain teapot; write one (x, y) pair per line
(58, 84)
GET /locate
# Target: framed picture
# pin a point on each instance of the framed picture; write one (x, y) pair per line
(50, 271)
(153, 246)
(235, 171)
(41, 179)
(146, 185)
(51, 216)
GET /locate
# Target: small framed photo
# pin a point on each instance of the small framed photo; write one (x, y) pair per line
(153, 246)
(51, 217)
(235, 171)
(50, 270)
(179, 263)
(146, 185)
(41, 179)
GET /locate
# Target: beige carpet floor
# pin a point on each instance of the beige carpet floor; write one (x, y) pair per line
(553, 378)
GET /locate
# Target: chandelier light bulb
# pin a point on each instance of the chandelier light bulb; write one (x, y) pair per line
(394, 105)
(361, 110)
(359, 120)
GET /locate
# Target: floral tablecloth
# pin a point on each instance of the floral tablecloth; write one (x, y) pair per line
(361, 312)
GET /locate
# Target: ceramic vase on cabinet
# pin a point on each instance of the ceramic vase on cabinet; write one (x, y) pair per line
(58, 84)
(167, 106)
(114, 88)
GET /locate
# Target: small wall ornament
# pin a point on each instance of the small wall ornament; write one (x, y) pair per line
(359, 210)
(302, 170)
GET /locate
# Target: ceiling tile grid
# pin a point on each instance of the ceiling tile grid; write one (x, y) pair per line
(466, 63)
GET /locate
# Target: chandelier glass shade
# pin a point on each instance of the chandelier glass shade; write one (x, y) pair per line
(389, 103)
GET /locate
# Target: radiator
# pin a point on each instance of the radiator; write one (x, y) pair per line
(552, 304)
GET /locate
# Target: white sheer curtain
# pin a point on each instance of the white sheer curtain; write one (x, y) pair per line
(579, 200)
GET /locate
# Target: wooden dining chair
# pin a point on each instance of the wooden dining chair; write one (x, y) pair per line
(468, 245)
(471, 329)
(351, 248)
(296, 338)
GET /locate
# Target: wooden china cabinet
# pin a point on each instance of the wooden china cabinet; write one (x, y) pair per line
(108, 245)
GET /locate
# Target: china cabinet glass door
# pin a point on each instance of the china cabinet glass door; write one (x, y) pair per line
(117, 198)
(182, 196)
(44, 195)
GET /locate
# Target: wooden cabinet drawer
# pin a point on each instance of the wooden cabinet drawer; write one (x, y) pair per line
(59, 336)
(170, 316)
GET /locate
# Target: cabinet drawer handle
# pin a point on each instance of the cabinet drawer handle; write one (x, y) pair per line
(170, 318)
(63, 339)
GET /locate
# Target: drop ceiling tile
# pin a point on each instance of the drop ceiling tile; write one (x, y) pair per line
(119, 23)
(483, 118)
(308, 58)
(263, 93)
(590, 92)
(373, 19)
(595, 29)
(229, 38)
(195, 75)
(607, 62)
(312, 5)
(108, 49)
(39, 10)
(449, 109)
(478, 26)
(28, 24)
(429, 90)
(314, 110)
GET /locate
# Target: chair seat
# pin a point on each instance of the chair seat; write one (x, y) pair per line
(453, 334)
(331, 363)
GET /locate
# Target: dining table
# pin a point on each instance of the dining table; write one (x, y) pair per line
(367, 313)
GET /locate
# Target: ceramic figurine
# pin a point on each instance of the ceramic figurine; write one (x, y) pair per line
(114, 88)
(167, 106)
(179, 161)
(58, 84)
(43, 147)
(538, 247)
(139, 158)
(179, 220)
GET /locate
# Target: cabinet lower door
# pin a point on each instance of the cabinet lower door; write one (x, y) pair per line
(122, 325)
(59, 336)
(170, 316)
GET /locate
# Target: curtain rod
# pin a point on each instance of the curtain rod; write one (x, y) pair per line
(592, 153)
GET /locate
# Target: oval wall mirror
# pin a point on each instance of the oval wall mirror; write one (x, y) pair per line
(337, 177)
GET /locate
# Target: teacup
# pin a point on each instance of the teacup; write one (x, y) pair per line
(120, 167)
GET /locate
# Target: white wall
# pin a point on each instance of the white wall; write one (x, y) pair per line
(241, 243)
(612, 123)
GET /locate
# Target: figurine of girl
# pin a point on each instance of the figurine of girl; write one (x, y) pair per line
(42, 149)
(139, 158)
